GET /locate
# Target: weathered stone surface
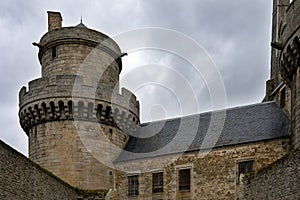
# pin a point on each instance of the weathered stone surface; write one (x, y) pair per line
(78, 123)
(21, 178)
(285, 62)
(213, 176)
(280, 180)
(75, 117)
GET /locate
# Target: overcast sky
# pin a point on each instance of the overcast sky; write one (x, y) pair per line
(234, 33)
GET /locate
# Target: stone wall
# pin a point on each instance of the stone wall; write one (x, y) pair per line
(280, 180)
(213, 176)
(20, 178)
(289, 46)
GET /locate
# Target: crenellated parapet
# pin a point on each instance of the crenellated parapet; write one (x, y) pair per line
(289, 43)
(76, 87)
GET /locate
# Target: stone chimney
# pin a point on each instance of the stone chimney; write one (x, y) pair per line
(54, 20)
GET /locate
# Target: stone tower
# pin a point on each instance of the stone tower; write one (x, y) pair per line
(75, 118)
(284, 85)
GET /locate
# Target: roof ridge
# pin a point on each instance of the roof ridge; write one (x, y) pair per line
(209, 112)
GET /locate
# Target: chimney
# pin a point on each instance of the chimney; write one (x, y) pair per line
(54, 20)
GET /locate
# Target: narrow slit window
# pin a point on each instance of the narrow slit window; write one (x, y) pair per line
(110, 133)
(54, 52)
(282, 98)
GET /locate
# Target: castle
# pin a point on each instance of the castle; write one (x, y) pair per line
(86, 140)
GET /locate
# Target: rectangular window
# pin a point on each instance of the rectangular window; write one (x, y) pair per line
(157, 182)
(133, 185)
(245, 167)
(184, 176)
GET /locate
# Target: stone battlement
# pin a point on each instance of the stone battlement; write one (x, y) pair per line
(59, 109)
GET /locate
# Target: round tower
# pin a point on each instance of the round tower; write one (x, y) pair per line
(75, 118)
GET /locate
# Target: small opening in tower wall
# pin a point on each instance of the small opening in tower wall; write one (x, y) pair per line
(282, 97)
(54, 52)
(110, 133)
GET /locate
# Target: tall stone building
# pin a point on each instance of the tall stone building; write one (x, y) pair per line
(281, 179)
(283, 87)
(87, 134)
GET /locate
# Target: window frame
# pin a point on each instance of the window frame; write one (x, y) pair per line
(239, 174)
(157, 182)
(133, 185)
(246, 167)
(184, 180)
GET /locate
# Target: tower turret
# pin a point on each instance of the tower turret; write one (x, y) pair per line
(74, 116)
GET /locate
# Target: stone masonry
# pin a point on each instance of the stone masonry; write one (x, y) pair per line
(278, 181)
(213, 176)
(281, 180)
(74, 112)
(22, 179)
(79, 126)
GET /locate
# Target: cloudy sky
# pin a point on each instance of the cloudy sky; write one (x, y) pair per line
(235, 34)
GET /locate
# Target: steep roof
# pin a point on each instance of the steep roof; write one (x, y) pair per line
(251, 123)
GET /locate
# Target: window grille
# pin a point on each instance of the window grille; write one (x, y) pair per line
(245, 167)
(157, 182)
(133, 185)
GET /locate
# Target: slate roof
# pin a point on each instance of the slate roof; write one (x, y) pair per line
(251, 123)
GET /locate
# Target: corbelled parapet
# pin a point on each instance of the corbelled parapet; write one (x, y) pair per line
(40, 105)
(290, 42)
(290, 59)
